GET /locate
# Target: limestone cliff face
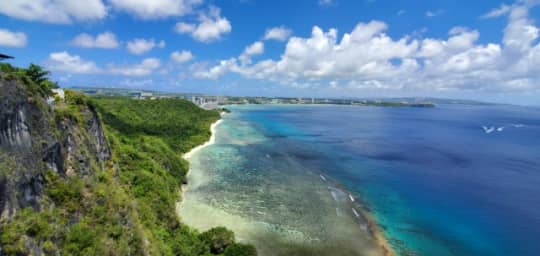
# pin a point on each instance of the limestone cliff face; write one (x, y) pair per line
(33, 139)
(14, 130)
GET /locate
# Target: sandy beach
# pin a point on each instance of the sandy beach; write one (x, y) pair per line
(211, 141)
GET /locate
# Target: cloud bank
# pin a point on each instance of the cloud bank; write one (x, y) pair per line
(368, 58)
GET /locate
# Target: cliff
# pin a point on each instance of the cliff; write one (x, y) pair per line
(97, 176)
(37, 141)
(33, 140)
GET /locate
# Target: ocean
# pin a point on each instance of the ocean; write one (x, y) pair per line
(449, 180)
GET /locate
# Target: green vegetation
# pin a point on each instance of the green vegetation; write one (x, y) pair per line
(239, 249)
(128, 205)
(34, 77)
(178, 123)
(218, 239)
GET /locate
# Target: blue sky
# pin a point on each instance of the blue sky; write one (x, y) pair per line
(483, 49)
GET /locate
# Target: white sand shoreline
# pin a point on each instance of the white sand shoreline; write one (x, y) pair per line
(194, 150)
(211, 141)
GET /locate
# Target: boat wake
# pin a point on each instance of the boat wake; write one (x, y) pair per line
(488, 130)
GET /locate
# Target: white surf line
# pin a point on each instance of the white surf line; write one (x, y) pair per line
(355, 213)
(363, 226)
(351, 197)
(322, 177)
(333, 193)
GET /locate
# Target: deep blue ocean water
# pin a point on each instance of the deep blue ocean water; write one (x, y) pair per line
(434, 179)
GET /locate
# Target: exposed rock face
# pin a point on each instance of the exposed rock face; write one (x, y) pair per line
(95, 131)
(33, 141)
(81, 146)
(3, 191)
(14, 130)
(23, 136)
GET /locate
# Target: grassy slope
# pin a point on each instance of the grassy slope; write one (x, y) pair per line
(148, 138)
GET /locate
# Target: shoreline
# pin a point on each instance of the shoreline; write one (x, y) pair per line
(194, 150)
(376, 232)
(361, 213)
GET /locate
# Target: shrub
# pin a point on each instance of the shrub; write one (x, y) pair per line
(218, 239)
(80, 240)
(240, 250)
(75, 98)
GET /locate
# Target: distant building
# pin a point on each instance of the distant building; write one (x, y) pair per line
(141, 95)
(221, 99)
(198, 100)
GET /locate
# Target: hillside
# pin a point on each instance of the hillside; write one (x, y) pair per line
(96, 176)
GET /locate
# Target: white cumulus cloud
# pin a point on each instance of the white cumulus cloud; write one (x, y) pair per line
(12, 39)
(140, 45)
(256, 48)
(54, 11)
(211, 26)
(105, 40)
(181, 57)
(277, 33)
(66, 62)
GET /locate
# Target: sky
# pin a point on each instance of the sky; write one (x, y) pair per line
(486, 50)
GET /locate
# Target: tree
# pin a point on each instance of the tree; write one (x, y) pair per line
(218, 239)
(37, 74)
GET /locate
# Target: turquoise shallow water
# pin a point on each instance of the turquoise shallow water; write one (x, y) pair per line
(270, 198)
(435, 181)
